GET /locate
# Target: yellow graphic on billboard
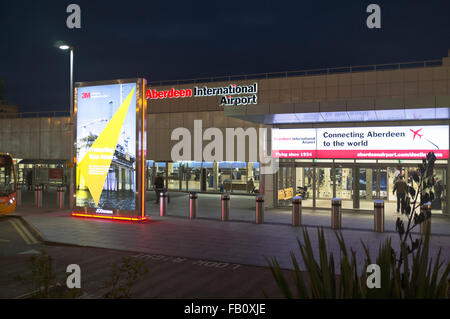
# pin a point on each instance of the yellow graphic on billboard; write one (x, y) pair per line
(95, 165)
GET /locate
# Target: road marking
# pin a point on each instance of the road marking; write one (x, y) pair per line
(33, 240)
(20, 232)
(4, 240)
(23, 232)
(197, 262)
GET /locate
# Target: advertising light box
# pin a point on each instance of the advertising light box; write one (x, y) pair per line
(110, 148)
(387, 142)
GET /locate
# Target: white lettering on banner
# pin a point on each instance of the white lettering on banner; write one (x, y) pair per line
(400, 142)
(103, 211)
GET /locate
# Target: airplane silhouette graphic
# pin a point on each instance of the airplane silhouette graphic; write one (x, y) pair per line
(416, 133)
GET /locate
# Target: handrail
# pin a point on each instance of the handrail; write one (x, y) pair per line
(335, 70)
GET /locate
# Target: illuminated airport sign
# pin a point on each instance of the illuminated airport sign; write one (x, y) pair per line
(167, 94)
(231, 94)
(110, 148)
(396, 142)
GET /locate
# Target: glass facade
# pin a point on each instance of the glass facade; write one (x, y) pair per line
(50, 174)
(212, 177)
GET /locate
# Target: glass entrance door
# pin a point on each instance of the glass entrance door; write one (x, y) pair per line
(318, 185)
(304, 184)
(382, 188)
(286, 185)
(344, 186)
(324, 187)
(439, 190)
(393, 173)
(367, 187)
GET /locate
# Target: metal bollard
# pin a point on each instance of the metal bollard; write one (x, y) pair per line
(38, 196)
(378, 211)
(19, 195)
(60, 196)
(296, 211)
(259, 212)
(426, 225)
(193, 205)
(336, 213)
(163, 203)
(225, 207)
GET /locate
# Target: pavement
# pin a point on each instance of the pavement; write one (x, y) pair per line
(238, 241)
(168, 276)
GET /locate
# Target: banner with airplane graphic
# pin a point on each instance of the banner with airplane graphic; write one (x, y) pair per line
(388, 142)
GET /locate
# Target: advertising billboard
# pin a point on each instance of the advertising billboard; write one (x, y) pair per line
(110, 148)
(382, 142)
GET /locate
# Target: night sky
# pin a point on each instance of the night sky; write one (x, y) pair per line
(166, 40)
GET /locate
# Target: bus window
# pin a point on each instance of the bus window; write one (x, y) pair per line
(7, 176)
(8, 185)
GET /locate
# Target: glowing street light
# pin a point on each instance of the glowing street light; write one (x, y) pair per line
(67, 47)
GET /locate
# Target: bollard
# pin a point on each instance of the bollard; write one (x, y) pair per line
(38, 196)
(336, 213)
(378, 215)
(19, 195)
(163, 203)
(426, 225)
(296, 211)
(259, 212)
(193, 205)
(225, 207)
(60, 196)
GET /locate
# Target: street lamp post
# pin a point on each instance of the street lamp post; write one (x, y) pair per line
(71, 191)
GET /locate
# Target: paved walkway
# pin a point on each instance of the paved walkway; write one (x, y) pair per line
(239, 241)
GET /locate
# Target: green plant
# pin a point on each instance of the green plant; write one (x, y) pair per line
(44, 283)
(124, 277)
(42, 276)
(420, 192)
(421, 279)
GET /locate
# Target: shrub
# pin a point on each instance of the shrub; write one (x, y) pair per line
(419, 278)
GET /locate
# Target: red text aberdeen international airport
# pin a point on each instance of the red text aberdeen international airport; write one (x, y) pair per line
(172, 93)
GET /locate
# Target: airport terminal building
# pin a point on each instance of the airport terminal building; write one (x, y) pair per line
(344, 132)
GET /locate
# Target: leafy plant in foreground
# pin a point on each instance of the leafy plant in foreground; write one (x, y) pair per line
(420, 279)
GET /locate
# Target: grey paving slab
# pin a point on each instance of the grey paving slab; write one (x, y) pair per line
(240, 241)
